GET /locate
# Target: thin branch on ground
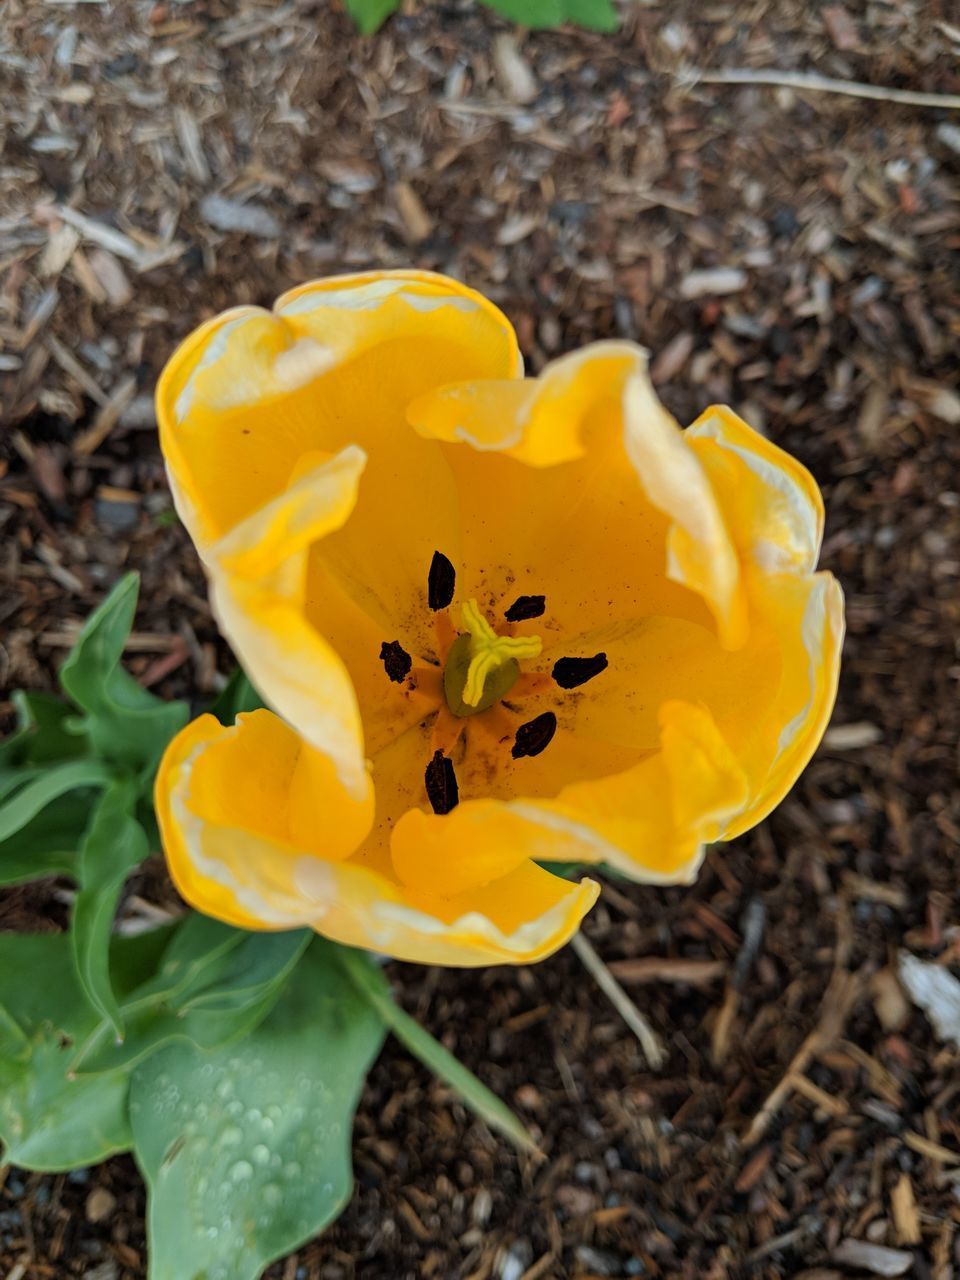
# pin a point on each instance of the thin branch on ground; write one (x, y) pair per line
(653, 1050)
(810, 80)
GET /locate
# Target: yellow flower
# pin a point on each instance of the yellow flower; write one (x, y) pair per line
(502, 621)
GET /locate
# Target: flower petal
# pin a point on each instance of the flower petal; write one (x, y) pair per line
(235, 805)
(250, 392)
(651, 821)
(656, 818)
(258, 584)
(772, 504)
(259, 832)
(653, 660)
(804, 614)
(590, 419)
(288, 455)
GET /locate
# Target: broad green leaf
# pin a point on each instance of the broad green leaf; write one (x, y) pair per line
(124, 721)
(595, 15)
(48, 1121)
(12, 779)
(135, 958)
(114, 844)
(24, 804)
(42, 732)
(246, 1149)
(236, 696)
(369, 15)
(213, 986)
(47, 845)
(368, 979)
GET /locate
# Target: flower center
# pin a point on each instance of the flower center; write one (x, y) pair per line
(482, 666)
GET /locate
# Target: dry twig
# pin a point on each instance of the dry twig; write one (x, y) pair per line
(649, 1042)
(811, 80)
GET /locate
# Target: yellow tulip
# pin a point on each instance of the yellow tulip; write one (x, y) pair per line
(500, 620)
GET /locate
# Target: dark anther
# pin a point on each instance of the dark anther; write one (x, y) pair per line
(396, 661)
(525, 607)
(441, 782)
(534, 736)
(440, 582)
(571, 672)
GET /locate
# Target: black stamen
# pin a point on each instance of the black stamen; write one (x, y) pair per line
(441, 783)
(534, 736)
(396, 661)
(571, 672)
(440, 581)
(525, 607)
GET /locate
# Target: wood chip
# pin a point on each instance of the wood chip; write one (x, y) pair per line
(100, 1204)
(716, 281)
(841, 27)
(932, 1150)
(60, 249)
(875, 1258)
(935, 990)
(232, 215)
(41, 312)
(903, 1204)
(513, 71)
(189, 134)
(107, 417)
(416, 221)
(111, 277)
(889, 1002)
(692, 973)
(672, 358)
(874, 412)
(852, 737)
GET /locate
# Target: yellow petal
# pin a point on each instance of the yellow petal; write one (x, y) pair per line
(653, 660)
(805, 615)
(771, 502)
(251, 391)
(651, 821)
(293, 468)
(259, 832)
(541, 421)
(258, 588)
(581, 476)
(235, 806)
(656, 818)
(317, 502)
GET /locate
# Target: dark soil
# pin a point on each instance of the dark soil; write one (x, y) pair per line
(580, 195)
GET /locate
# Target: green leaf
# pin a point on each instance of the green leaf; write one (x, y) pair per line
(114, 844)
(43, 733)
(214, 985)
(124, 722)
(47, 845)
(370, 981)
(565, 870)
(595, 15)
(24, 805)
(236, 696)
(369, 15)
(49, 1121)
(246, 1150)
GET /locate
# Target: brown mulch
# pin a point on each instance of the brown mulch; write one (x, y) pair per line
(163, 160)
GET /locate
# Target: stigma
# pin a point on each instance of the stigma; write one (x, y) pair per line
(483, 666)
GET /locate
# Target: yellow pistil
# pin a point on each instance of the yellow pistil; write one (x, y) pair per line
(493, 659)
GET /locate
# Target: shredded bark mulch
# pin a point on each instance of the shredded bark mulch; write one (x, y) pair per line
(792, 253)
